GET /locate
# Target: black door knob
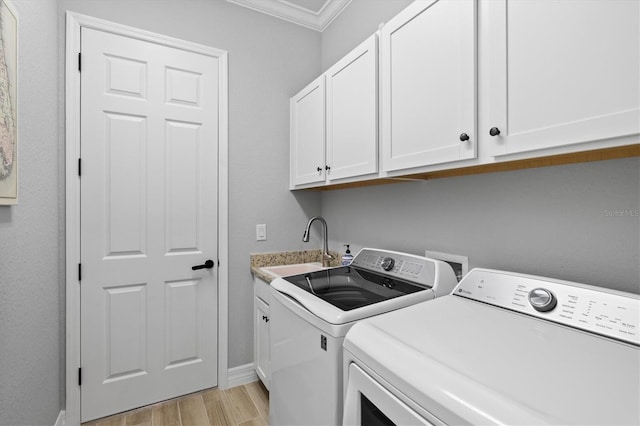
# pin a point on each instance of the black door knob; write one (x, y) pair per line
(464, 137)
(327, 167)
(494, 131)
(319, 169)
(208, 264)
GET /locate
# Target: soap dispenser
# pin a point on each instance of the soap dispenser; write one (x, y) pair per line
(347, 257)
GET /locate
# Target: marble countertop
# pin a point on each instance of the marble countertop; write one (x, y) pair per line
(259, 261)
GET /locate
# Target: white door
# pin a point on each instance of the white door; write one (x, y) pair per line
(307, 134)
(352, 113)
(149, 146)
(561, 73)
(427, 79)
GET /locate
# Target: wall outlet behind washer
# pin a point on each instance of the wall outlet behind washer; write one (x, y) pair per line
(459, 263)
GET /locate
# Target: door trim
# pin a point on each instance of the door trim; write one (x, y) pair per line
(74, 22)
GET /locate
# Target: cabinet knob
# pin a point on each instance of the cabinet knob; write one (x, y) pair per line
(494, 131)
(327, 168)
(265, 318)
(319, 168)
(464, 137)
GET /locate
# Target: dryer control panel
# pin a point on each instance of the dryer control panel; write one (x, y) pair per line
(598, 310)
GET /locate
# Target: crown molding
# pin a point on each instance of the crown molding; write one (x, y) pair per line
(282, 9)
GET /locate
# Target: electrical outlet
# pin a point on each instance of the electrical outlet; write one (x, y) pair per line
(261, 232)
(460, 264)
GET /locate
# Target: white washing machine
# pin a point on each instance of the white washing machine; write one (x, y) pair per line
(504, 348)
(311, 313)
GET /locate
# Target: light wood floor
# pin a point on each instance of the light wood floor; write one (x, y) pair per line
(246, 405)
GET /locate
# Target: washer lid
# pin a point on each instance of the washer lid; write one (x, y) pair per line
(343, 295)
(349, 288)
(469, 362)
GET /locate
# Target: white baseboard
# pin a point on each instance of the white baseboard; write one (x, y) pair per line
(238, 376)
(61, 420)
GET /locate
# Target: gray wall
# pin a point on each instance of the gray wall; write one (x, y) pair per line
(556, 221)
(356, 22)
(30, 329)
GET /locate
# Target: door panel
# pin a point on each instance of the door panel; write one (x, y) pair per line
(149, 144)
(125, 184)
(182, 144)
(126, 331)
(182, 322)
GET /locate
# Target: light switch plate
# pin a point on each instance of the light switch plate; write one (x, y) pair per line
(261, 232)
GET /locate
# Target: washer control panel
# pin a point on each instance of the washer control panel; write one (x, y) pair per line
(417, 269)
(598, 310)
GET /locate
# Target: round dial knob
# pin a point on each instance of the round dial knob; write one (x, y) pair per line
(388, 263)
(542, 300)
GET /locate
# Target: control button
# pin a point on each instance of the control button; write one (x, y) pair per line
(388, 263)
(542, 300)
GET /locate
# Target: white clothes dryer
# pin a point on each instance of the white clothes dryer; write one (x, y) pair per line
(503, 348)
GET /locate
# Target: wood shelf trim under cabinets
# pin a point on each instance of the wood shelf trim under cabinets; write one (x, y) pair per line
(529, 163)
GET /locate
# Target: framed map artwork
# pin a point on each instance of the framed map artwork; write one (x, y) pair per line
(8, 104)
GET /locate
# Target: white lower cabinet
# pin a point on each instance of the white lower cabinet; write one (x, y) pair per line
(261, 336)
(561, 73)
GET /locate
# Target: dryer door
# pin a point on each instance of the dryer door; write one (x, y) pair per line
(368, 403)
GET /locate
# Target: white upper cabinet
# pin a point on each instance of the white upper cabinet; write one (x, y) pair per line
(352, 112)
(465, 83)
(351, 127)
(561, 73)
(307, 134)
(428, 84)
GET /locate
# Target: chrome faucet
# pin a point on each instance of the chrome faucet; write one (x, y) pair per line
(326, 257)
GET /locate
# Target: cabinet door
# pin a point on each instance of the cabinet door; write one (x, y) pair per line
(307, 134)
(262, 359)
(352, 113)
(562, 72)
(428, 89)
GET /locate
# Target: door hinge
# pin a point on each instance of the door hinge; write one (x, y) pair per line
(80, 376)
(79, 61)
(79, 271)
(79, 166)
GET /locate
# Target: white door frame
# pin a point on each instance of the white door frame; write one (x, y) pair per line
(72, 145)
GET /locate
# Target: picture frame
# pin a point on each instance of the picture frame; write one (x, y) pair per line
(8, 104)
